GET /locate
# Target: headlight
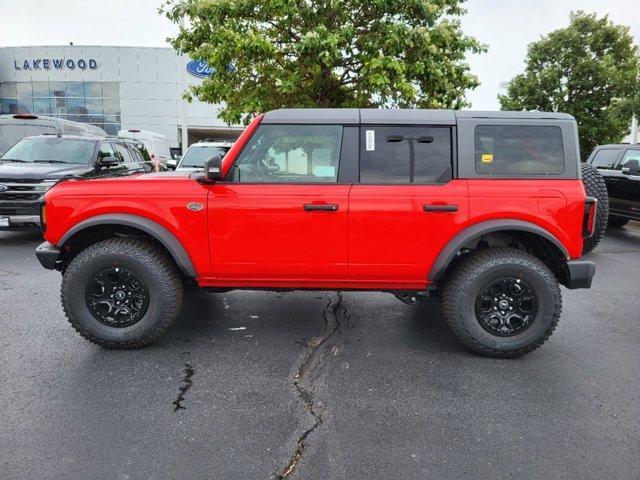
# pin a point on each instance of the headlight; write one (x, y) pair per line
(45, 186)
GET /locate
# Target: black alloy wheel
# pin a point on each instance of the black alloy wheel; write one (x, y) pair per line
(506, 307)
(116, 297)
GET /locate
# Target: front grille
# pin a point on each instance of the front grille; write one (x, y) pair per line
(10, 209)
(20, 189)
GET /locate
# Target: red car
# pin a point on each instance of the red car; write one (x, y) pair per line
(486, 209)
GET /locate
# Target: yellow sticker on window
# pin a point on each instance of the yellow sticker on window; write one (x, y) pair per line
(487, 158)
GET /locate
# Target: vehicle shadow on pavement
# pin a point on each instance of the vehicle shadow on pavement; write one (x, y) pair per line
(428, 330)
(201, 317)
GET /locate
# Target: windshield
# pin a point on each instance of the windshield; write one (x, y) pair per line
(50, 150)
(196, 156)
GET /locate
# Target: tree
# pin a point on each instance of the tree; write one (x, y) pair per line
(588, 69)
(270, 54)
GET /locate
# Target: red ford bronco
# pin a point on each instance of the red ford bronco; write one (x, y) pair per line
(486, 209)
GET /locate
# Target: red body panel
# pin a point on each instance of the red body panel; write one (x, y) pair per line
(162, 199)
(261, 233)
(392, 241)
(555, 205)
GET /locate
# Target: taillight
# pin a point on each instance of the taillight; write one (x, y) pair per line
(589, 219)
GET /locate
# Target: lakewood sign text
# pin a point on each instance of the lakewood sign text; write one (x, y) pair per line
(55, 64)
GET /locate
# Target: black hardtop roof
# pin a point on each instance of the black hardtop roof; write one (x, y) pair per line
(355, 116)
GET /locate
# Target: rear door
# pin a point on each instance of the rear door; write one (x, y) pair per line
(406, 207)
(280, 218)
(605, 160)
(628, 186)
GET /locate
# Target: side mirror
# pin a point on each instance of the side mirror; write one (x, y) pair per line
(172, 164)
(107, 162)
(632, 167)
(213, 169)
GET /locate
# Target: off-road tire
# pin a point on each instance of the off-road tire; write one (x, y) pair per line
(595, 187)
(469, 277)
(151, 264)
(616, 222)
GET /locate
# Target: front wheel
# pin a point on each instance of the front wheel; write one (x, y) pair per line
(122, 292)
(502, 302)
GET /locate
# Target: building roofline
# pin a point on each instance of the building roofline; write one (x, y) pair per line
(5, 47)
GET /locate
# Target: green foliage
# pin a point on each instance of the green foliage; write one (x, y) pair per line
(326, 53)
(588, 69)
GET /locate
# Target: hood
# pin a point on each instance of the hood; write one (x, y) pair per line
(42, 171)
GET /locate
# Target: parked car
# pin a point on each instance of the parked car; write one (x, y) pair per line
(34, 164)
(15, 127)
(619, 165)
(486, 209)
(198, 153)
(155, 143)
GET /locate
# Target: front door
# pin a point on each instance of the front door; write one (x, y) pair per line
(280, 217)
(406, 206)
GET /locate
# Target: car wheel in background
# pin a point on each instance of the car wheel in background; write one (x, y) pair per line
(617, 222)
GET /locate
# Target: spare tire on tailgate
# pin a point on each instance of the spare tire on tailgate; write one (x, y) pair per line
(595, 187)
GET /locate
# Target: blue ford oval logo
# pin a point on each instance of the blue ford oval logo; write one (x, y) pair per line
(3, 188)
(199, 68)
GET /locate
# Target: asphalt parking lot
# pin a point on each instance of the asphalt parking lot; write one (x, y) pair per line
(255, 385)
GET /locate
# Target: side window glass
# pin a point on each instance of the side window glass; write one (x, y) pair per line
(519, 150)
(290, 154)
(123, 153)
(106, 150)
(629, 155)
(420, 155)
(604, 158)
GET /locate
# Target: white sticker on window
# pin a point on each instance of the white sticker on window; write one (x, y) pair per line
(370, 137)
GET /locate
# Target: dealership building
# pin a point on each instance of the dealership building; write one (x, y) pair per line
(111, 87)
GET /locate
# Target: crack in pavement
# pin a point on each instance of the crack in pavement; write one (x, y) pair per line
(187, 383)
(303, 384)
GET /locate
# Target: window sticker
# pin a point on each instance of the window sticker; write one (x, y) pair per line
(487, 158)
(370, 140)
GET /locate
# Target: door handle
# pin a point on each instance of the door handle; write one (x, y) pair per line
(439, 208)
(323, 207)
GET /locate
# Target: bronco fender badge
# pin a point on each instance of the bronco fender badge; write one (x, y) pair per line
(195, 206)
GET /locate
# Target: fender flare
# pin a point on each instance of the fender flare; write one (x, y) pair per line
(157, 231)
(448, 253)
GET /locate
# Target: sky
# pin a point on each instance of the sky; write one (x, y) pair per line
(506, 26)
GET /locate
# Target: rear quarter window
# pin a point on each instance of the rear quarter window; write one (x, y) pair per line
(518, 150)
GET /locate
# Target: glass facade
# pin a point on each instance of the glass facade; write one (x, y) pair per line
(97, 103)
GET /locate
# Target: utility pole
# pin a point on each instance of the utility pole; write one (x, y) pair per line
(634, 130)
(183, 103)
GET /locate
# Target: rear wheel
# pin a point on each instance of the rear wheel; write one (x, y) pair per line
(595, 187)
(502, 302)
(122, 292)
(617, 222)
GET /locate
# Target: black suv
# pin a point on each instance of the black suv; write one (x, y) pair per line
(620, 167)
(34, 164)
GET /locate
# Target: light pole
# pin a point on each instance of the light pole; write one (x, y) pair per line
(183, 102)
